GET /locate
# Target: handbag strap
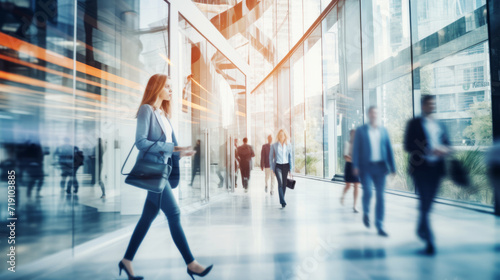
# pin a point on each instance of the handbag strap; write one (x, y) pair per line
(142, 156)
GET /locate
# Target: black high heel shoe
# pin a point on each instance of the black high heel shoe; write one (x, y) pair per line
(202, 274)
(130, 277)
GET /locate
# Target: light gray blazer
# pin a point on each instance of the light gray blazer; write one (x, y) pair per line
(149, 129)
(274, 150)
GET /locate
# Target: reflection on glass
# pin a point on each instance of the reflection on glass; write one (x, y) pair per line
(386, 73)
(214, 93)
(298, 109)
(333, 70)
(68, 103)
(282, 18)
(464, 106)
(349, 110)
(296, 21)
(314, 104)
(331, 88)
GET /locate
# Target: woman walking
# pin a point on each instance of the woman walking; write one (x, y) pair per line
(153, 122)
(350, 178)
(280, 159)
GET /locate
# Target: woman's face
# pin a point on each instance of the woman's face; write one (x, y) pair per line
(166, 92)
(281, 137)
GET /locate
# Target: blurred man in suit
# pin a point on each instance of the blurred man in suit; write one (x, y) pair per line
(373, 159)
(244, 155)
(264, 163)
(427, 143)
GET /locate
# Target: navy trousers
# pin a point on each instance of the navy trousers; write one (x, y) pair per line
(281, 171)
(374, 175)
(166, 202)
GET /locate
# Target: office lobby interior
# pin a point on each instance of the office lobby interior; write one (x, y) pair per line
(73, 73)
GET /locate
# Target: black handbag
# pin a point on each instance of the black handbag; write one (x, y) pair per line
(175, 174)
(290, 183)
(148, 175)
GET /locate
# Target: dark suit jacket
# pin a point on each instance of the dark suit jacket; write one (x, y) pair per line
(416, 143)
(264, 156)
(245, 153)
(361, 151)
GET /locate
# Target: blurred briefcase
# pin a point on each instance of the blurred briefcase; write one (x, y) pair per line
(458, 174)
(290, 183)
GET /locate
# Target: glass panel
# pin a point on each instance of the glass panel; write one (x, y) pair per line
(267, 38)
(324, 4)
(311, 10)
(296, 21)
(298, 108)
(269, 107)
(37, 124)
(387, 74)
(452, 52)
(282, 17)
(229, 85)
(314, 104)
(331, 89)
(193, 81)
(430, 16)
(284, 112)
(258, 121)
(464, 107)
(348, 105)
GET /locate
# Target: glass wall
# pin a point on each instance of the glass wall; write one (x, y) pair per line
(452, 56)
(387, 73)
(263, 31)
(374, 52)
(71, 81)
(313, 104)
(298, 109)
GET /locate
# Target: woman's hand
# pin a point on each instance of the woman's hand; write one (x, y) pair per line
(187, 153)
(180, 149)
(290, 174)
(355, 171)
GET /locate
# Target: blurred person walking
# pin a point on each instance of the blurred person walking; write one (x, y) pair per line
(236, 163)
(349, 177)
(221, 165)
(34, 168)
(153, 123)
(427, 143)
(196, 161)
(372, 160)
(281, 163)
(70, 158)
(100, 153)
(265, 165)
(245, 155)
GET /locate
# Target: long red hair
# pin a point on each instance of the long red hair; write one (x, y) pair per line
(155, 84)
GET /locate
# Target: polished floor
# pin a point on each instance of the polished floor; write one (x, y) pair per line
(76, 218)
(249, 236)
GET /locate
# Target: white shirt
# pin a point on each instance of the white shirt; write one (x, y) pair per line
(168, 128)
(347, 148)
(433, 132)
(374, 135)
(282, 155)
